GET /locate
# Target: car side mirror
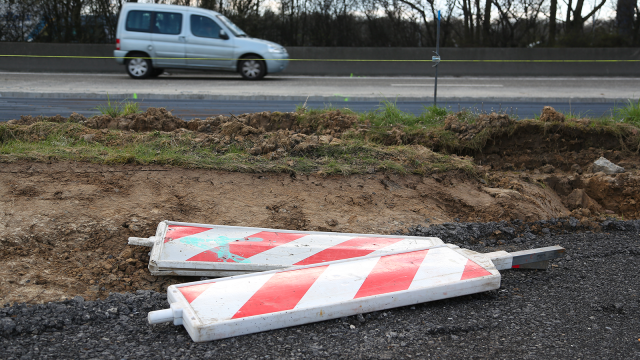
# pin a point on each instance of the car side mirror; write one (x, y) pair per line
(223, 35)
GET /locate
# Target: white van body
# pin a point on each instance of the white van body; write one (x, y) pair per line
(151, 38)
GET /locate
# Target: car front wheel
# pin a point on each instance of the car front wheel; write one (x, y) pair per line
(139, 68)
(253, 68)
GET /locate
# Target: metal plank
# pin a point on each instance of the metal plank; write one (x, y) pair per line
(521, 258)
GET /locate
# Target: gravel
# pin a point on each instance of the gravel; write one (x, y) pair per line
(585, 306)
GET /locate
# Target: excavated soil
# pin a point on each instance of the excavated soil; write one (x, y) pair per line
(64, 226)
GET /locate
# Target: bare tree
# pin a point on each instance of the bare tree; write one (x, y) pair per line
(553, 7)
(625, 13)
(574, 22)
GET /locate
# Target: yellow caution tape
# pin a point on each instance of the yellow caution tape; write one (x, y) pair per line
(326, 60)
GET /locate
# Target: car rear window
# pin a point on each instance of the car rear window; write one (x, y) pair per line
(167, 23)
(139, 21)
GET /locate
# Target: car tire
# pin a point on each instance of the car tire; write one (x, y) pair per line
(253, 68)
(139, 68)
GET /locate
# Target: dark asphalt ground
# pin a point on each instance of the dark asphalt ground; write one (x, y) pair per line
(13, 108)
(586, 306)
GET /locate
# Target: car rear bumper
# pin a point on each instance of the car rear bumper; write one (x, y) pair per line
(119, 55)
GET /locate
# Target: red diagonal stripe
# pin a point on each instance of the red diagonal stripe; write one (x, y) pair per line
(208, 256)
(249, 246)
(349, 249)
(282, 292)
(473, 270)
(269, 241)
(192, 292)
(177, 231)
(392, 273)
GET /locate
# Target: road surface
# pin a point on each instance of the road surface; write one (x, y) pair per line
(198, 86)
(13, 108)
(198, 95)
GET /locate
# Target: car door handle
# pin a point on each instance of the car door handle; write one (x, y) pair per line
(182, 39)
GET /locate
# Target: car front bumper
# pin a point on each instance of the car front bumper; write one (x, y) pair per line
(277, 62)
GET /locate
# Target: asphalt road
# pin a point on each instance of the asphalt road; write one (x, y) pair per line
(298, 88)
(585, 306)
(13, 108)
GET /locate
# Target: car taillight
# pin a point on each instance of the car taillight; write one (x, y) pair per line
(117, 44)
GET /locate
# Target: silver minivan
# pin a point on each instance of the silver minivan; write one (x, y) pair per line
(151, 38)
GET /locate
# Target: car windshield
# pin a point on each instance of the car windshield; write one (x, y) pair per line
(236, 30)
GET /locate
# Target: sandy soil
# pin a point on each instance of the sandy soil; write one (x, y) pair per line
(65, 226)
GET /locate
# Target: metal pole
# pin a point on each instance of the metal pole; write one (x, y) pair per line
(436, 59)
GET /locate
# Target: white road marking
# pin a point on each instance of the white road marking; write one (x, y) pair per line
(448, 85)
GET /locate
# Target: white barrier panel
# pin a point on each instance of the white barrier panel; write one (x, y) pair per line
(221, 308)
(213, 250)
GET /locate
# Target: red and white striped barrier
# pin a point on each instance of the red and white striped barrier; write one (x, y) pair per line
(299, 277)
(221, 308)
(213, 250)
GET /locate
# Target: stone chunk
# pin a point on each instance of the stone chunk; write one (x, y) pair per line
(579, 199)
(548, 169)
(7, 325)
(606, 167)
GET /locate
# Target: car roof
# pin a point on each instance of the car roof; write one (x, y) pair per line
(168, 7)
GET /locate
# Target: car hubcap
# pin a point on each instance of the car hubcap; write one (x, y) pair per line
(251, 68)
(138, 67)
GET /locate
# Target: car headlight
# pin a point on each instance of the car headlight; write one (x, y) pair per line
(277, 49)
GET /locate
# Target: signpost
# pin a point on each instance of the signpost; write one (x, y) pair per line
(436, 60)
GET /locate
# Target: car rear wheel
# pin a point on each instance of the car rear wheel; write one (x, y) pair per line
(253, 68)
(139, 68)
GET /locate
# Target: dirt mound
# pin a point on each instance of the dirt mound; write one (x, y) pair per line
(467, 131)
(30, 120)
(550, 114)
(153, 119)
(160, 119)
(532, 145)
(332, 122)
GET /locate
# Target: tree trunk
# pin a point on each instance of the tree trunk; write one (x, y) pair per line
(624, 17)
(477, 32)
(486, 24)
(465, 12)
(552, 23)
(471, 26)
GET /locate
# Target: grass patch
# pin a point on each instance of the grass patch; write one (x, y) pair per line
(384, 140)
(388, 114)
(45, 141)
(629, 114)
(118, 109)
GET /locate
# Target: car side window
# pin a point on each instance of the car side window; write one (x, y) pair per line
(167, 23)
(139, 21)
(203, 26)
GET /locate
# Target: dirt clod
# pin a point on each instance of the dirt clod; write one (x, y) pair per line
(550, 114)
